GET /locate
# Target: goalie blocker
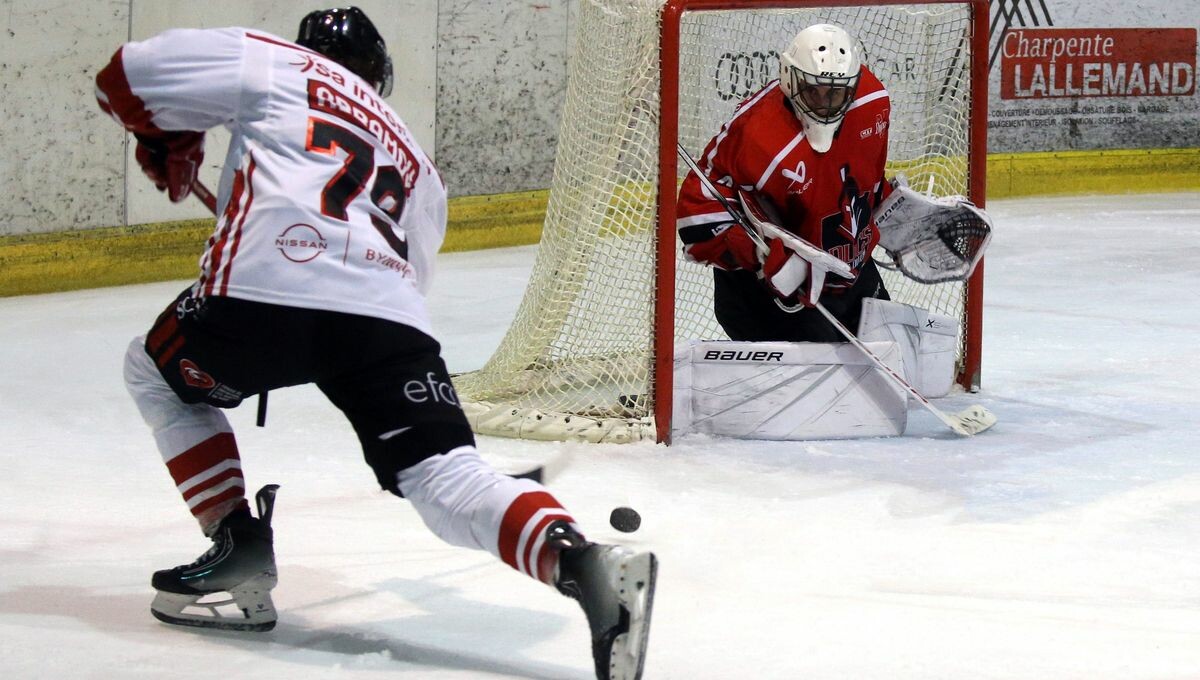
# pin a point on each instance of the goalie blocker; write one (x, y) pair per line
(810, 390)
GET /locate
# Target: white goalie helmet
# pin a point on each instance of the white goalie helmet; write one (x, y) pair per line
(819, 74)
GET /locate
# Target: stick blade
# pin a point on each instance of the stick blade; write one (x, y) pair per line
(537, 474)
(972, 421)
(548, 470)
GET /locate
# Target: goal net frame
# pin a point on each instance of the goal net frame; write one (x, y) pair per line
(512, 408)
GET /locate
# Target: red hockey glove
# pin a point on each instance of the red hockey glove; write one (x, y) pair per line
(785, 273)
(730, 249)
(171, 161)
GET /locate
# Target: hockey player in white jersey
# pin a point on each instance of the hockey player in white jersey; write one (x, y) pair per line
(329, 219)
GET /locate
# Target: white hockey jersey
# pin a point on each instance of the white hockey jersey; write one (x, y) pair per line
(326, 200)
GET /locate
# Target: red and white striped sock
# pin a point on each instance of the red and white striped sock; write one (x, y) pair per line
(522, 539)
(466, 502)
(209, 476)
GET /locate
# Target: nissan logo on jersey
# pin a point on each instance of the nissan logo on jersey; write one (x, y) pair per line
(301, 243)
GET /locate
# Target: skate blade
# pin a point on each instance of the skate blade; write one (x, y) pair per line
(636, 595)
(245, 608)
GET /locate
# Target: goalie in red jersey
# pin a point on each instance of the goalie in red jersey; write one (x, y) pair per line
(812, 145)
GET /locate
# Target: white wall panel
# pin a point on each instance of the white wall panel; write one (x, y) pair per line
(61, 158)
(502, 78)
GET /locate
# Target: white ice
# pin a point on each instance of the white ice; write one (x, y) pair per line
(1063, 544)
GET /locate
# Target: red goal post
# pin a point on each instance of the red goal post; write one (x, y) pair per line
(589, 355)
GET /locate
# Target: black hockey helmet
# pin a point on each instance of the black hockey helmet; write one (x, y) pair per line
(348, 37)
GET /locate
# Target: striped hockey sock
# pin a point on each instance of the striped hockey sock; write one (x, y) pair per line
(522, 539)
(209, 476)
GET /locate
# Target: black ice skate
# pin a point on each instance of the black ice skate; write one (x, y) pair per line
(615, 587)
(228, 587)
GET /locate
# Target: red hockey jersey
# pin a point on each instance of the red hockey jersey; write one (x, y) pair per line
(825, 198)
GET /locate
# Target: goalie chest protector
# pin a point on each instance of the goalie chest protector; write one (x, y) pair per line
(787, 390)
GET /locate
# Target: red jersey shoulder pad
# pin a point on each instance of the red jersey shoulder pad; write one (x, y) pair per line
(870, 90)
(760, 128)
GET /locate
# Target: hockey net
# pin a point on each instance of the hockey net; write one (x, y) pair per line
(588, 355)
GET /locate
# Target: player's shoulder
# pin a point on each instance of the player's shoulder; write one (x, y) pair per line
(868, 79)
(194, 48)
(760, 108)
(871, 90)
(763, 123)
(264, 38)
(180, 37)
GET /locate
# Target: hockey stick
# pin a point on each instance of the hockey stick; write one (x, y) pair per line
(210, 201)
(971, 421)
(798, 245)
(206, 197)
(547, 471)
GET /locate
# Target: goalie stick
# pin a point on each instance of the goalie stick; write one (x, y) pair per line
(798, 245)
(968, 422)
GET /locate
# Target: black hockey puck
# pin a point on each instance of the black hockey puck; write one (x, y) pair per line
(625, 519)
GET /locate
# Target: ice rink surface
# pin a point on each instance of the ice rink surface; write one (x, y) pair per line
(1063, 544)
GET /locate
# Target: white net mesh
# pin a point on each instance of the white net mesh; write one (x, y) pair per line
(576, 363)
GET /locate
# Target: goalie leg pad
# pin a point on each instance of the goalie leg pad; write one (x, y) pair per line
(787, 391)
(928, 342)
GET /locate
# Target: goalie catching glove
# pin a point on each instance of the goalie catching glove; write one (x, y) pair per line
(932, 240)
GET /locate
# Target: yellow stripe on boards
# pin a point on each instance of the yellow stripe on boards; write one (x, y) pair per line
(495, 221)
(1093, 172)
(93, 258)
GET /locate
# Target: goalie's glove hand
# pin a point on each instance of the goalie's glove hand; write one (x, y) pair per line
(731, 249)
(171, 160)
(785, 273)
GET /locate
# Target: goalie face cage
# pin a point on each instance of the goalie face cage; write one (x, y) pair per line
(590, 353)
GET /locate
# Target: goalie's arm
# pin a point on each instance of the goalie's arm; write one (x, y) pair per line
(709, 231)
(785, 259)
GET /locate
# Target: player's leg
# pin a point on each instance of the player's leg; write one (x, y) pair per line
(747, 312)
(195, 440)
(847, 306)
(743, 307)
(194, 359)
(467, 503)
(414, 435)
